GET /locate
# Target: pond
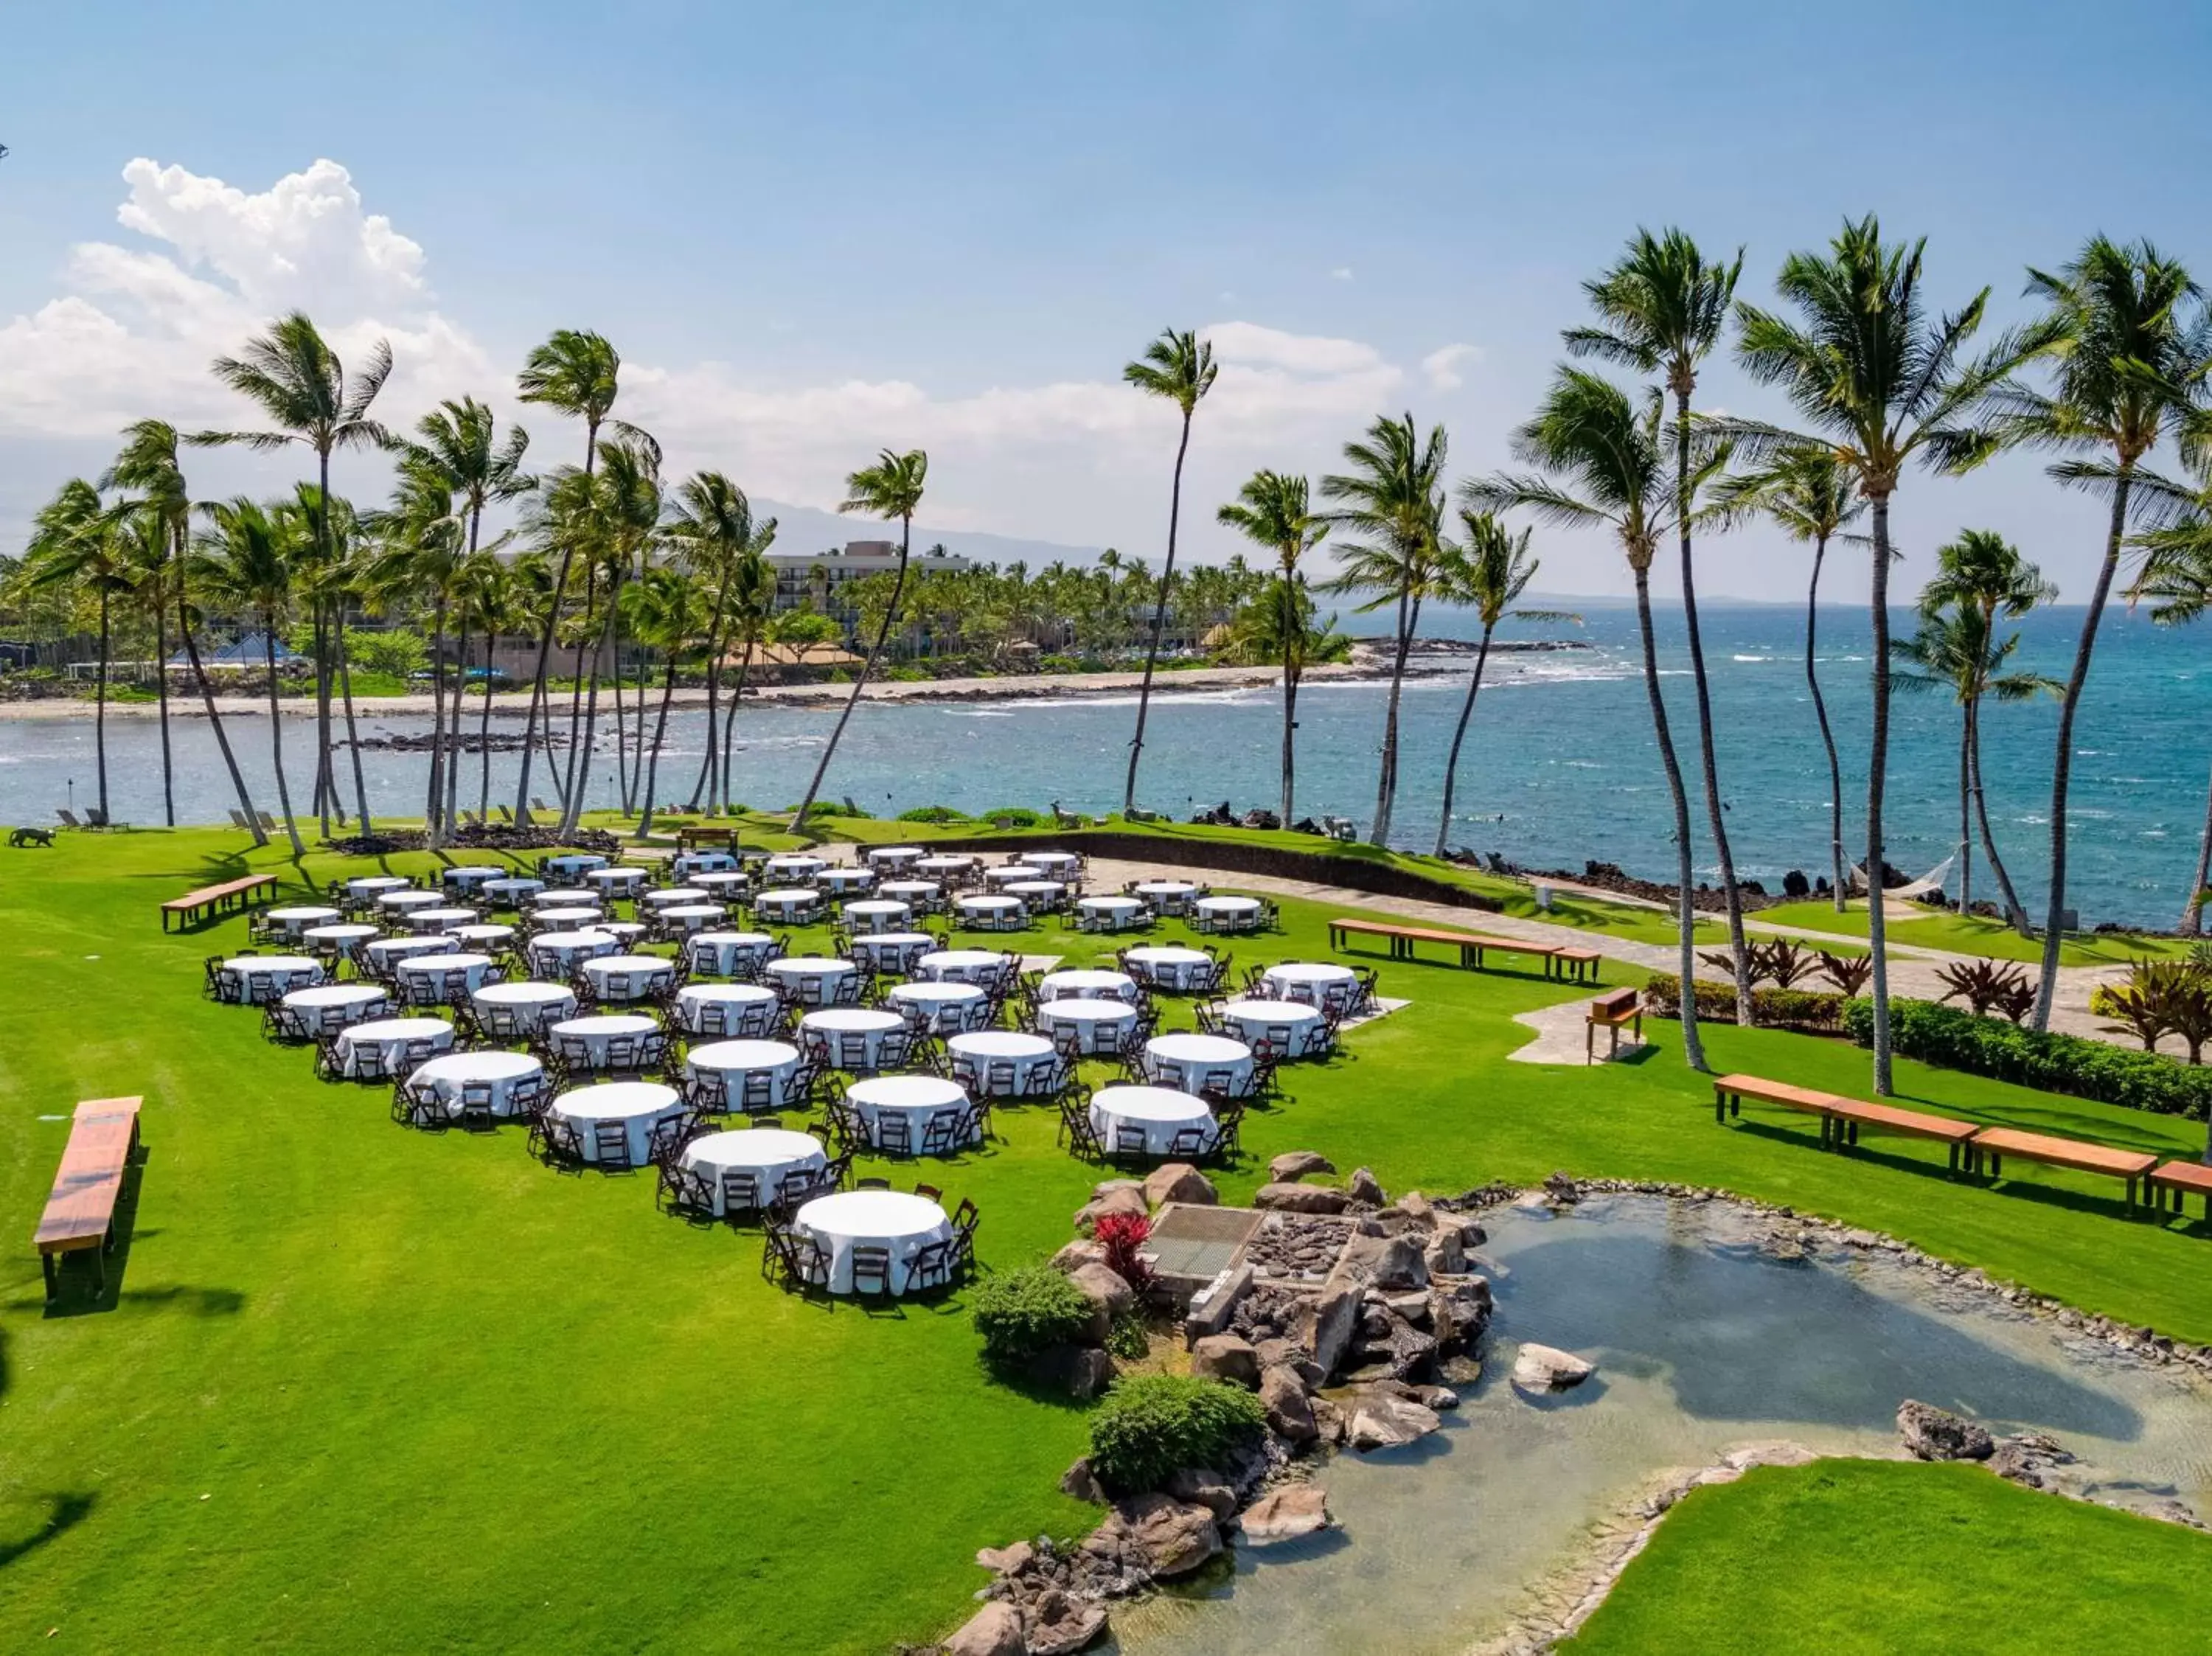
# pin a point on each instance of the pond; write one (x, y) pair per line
(1703, 1343)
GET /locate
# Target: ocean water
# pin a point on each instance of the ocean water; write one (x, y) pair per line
(1559, 764)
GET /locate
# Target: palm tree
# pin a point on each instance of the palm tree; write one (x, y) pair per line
(625, 523)
(2134, 348)
(1662, 309)
(578, 375)
(420, 551)
(1883, 383)
(711, 525)
(76, 543)
(1812, 497)
(246, 558)
(2176, 580)
(149, 463)
(486, 591)
(1272, 509)
(330, 576)
(664, 615)
(143, 539)
(1178, 367)
(892, 488)
(1393, 500)
(752, 609)
(1486, 572)
(1600, 463)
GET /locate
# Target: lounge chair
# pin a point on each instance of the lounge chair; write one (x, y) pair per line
(68, 819)
(267, 822)
(238, 820)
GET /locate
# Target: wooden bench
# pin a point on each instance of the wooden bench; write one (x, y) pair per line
(1612, 1011)
(2181, 1177)
(1471, 946)
(690, 838)
(1730, 1091)
(1573, 965)
(80, 1216)
(1842, 1118)
(2128, 1166)
(220, 899)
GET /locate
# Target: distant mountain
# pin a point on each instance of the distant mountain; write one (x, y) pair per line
(808, 529)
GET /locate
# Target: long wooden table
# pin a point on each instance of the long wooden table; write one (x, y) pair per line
(220, 899)
(1841, 1119)
(2128, 1166)
(2181, 1177)
(80, 1214)
(1472, 945)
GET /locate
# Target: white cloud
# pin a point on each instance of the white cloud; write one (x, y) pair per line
(1341, 273)
(1441, 366)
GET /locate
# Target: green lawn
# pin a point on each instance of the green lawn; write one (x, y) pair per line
(1975, 936)
(436, 1396)
(1890, 1558)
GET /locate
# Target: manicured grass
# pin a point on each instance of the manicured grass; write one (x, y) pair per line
(1974, 935)
(1890, 1557)
(437, 1397)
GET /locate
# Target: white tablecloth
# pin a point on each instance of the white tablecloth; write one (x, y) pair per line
(570, 917)
(347, 937)
(532, 1005)
(734, 1060)
(945, 1009)
(789, 903)
(792, 868)
(816, 980)
(616, 881)
(508, 892)
(724, 1009)
(1058, 865)
(367, 885)
(391, 1037)
(1169, 966)
(877, 914)
(873, 1218)
(446, 1075)
(686, 865)
(434, 967)
(484, 938)
(893, 951)
(292, 921)
(945, 862)
(838, 1028)
(1229, 913)
(1100, 1025)
(767, 1153)
(1087, 983)
(716, 954)
(725, 883)
(1290, 1025)
(1009, 1050)
(1037, 893)
(1114, 912)
(406, 902)
(625, 932)
(424, 922)
(565, 897)
(390, 952)
(982, 966)
(1317, 982)
(916, 1099)
(330, 1006)
(469, 875)
(1160, 1111)
(640, 1105)
(556, 953)
(629, 977)
(268, 977)
(895, 855)
(572, 862)
(591, 1037)
(1189, 1061)
(1168, 896)
(1007, 874)
(846, 881)
(916, 893)
(694, 917)
(673, 897)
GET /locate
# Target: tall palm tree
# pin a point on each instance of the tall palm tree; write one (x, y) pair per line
(1661, 310)
(746, 621)
(2133, 349)
(1600, 462)
(2176, 581)
(578, 373)
(892, 488)
(711, 526)
(1179, 367)
(246, 557)
(625, 514)
(77, 543)
(1393, 500)
(329, 577)
(302, 388)
(487, 593)
(1272, 509)
(665, 614)
(1811, 496)
(1883, 383)
(143, 539)
(149, 463)
(1486, 571)
(419, 541)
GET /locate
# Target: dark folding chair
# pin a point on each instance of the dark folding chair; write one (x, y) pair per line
(872, 1272)
(667, 1138)
(943, 1132)
(526, 1097)
(894, 1133)
(931, 1268)
(707, 1090)
(871, 1183)
(1188, 1145)
(1129, 1142)
(759, 1092)
(684, 1193)
(740, 1192)
(476, 1106)
(611, 1146)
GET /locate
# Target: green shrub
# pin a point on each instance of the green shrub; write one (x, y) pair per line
(2049, 1062)
(1150, 1425)
(396, 652)
(1013, 815)
(932, 814)
(1024, 1312)
(1817, 1010)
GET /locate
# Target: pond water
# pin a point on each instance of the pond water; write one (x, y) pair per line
(1703, 1343)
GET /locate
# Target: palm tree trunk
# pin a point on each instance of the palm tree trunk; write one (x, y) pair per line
(569, 809)
(1386, 783)
(1292, 668)
(1459, 735)
(450, 811)
(705, 785)
(1838, 874)
(538, 704)
(875, 649)
(2062, 766)
(215, 721)
(1877, 775)
(583, 761)
(625, 784)
(276, 735)
(362, 825)
(660, 734)
(162, 689)
(2192, 911)
(1693, 1045)
(99, 711)
(436, 796)
(1965, 796)
(1159, 622)
(2015, 910)
(326, 778)
(730, 721)
(483, 732)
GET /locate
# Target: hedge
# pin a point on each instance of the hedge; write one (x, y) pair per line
(1150, 1424)
(1818, 1011)
(2051, 1063)
(1022, 1313)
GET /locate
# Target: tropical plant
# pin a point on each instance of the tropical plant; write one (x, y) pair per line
(76, 544)
(1849, 973)
(1148, 1425)
(143, 538)
(1178, 367)
(710, 525)
(1272, 510)
(664, 616)
(419, 549)
(1880, 383)
(1123, 1236)
(2176, 581)
(484, 594)
(1988, 986)
(1600, 463)
(892, 488)
(246, 557)
(624, 504)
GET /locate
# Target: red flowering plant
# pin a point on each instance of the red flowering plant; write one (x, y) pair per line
(1122, 1234)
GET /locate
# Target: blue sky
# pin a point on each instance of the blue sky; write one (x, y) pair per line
(819, 231)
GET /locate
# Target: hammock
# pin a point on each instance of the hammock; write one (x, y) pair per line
(1931, 881)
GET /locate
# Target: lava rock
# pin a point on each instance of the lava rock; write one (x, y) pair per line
(1293, 1165)
(1110, 1296)
(1547, 1369)
(1202, 1486)
(1156, 1534)
(1364, 1186)
(1080, 1481)
(1283, 1514)
(994, 1630)
(1289, 1412)
(1083, 1372)
(1381, 1419)
(1056, 1625)
(1226, 1357)
(1933, 1434)
(1179, 1182)
(1300, 1198)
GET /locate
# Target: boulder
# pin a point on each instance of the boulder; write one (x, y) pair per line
(1933, 1434)
(1364, 1186)
(1202, 1486)
(1109, 1294)
(1333, 1322)
(994, 1630)
(1124, 1196)
(1226, 1357)
(1382, 1419)
(1083, 1372)
(1077, 1255)
(1458, 1313)
(1294, 1165)
(1157, 1535)
(1300, 1198)
(2027, 1457)
(1561, 1190)
(1082, 1483)
(1059, 1624)
(1388, 1262)
(1284, 1513)
(1106, 1187)
(1444, 1256)
(1010, 1560)
(1547, 1369)
(1179, 1182)
(1289, 1412)
(1330, 1425)
(1417, 1207)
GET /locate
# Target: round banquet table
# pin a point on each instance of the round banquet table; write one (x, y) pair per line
(1057, 864)
(943, 1009)
(570, 917)
(346, 937)
(985, 966)
(1189, 1061)
(717, 953)
(686, 864)
(389, 1039)
(1290, 1027)
(877, 914)
(734, 1060)
(1114, 912)
(572, 862)
(469, 875)
(445, 1076)
(435, 966)
(816, 980)
(945, 862)
(615, 881)
(564, 898)
(914, 894)
(622, 932)
(294, 921)
(1087, 983)
(673, 897)
(1038, 894)
(590, 1038)
(1007, 873)
(266, 977)
(845, 882)
(406, 902)
(1100, 1025)
(873, 1218)
(767, 1153)
(506, 893)
(893, 951)
(1160, 1113)
(367, 885)
(692, 917)
(724, 884)
(556, 953)
(332, 1006)
(639, 1106)
(991, 911)
(483, 936)
(1168, 896)
(532, 1005)
(428, 922)
(724, 1009)
(895, 856)
(1171, 967)
(1229, 913)
(1021, 1052)
(390, 952)
(833, 1030)
(792, 868)
(917, 1100)
(788, 903)
(629, 977)
(1318, 983)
